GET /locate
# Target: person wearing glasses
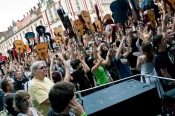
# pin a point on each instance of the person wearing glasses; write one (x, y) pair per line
(40, 87)
(21, 104)
(63, 101)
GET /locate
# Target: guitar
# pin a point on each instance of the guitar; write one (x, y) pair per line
(30, 37)
(10, 54)
(69, 26)
(150, 19)
(59, 36)
(107, 16)
(98, 18)
(171, 4)
(19, 47)
(98, 26)
(133, 13)
(78, 26)
(42, 51)
(85, 18)
(61, 13)
(41, 34)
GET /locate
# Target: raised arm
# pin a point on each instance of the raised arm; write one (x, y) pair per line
(67, 66)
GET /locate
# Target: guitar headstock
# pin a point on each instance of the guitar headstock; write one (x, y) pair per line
(42, 50)
(86, 16)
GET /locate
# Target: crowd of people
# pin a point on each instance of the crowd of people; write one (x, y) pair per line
(31, 87)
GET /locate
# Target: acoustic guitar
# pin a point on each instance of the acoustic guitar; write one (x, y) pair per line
(85, 18)
(19, 47)
(98, 26)
(30, 37)
(133, 13)
(42, 51)
(98, 18)
(59, 36)
(171, 4)
(69, 26)
(150, 19)
(107, 16)
(78, 26)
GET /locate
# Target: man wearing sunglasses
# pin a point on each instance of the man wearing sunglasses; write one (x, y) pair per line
(40, 87)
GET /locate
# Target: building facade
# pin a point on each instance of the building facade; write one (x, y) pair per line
(46, 14)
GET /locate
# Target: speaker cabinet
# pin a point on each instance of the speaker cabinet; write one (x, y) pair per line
(130, 97)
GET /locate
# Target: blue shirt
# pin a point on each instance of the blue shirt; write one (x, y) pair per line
(124, 68)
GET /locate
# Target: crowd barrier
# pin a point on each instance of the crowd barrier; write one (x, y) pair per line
(139, 77)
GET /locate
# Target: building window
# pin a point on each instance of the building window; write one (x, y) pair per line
(55, 11)
(35, 24)
(50, 14)
(91, 3)
(78, 5)
(16, 37)
(27, 30)
(23, 33)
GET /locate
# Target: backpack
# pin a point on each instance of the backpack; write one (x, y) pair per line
(4, 112)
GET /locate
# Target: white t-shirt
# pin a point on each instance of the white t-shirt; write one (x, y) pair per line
(34, 112)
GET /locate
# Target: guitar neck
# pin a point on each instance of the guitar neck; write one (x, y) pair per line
(45, 59)
(93, 36)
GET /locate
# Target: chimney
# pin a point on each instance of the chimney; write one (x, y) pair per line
(27, 13)
(18, 20)
(34, 8)
(24, 16)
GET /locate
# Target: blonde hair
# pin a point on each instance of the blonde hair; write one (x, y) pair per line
(18, 96)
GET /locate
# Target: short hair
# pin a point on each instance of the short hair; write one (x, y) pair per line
(8, 104)
(19, 95)
(34, 66)
(56, 76)
(61, 93)
(156, 40)
(74, 63)
(8, 100)
(4, 85)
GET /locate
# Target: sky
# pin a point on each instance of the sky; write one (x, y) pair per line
(14, 10)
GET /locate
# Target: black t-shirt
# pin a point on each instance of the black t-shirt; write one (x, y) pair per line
(81, 79)
(19, 85)
(51, 113)
(162, 61)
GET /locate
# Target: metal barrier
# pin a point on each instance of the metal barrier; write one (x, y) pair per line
(96, 88)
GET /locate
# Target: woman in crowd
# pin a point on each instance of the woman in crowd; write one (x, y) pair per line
(22, 104)
(145, 64)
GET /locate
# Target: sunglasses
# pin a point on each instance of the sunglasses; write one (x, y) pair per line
(43, 67)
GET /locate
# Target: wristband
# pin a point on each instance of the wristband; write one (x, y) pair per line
(84, 114)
